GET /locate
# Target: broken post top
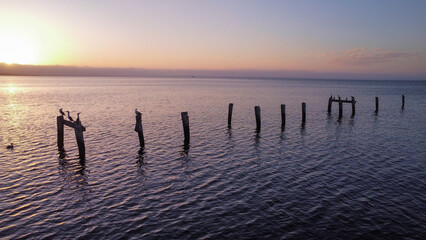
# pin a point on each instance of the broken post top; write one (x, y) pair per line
(71, 124)
(339, 99)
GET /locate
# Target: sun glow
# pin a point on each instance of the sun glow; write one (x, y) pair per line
(15, 49)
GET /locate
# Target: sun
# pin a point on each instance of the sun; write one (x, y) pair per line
(15, 49)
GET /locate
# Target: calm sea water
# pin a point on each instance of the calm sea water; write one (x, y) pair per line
(361, 177)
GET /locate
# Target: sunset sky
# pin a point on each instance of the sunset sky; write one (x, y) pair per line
(350, 37)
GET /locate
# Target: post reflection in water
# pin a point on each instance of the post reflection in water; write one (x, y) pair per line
(185, 150)
(141, 157)
(74, 172)
(62, 153)
(302, 129)
(257, 138)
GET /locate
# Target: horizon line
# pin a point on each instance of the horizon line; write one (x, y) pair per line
(15, 69)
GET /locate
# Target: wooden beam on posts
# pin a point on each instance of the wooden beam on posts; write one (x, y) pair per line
(377, 105)
(303, 113)
(78, 129)
(139, 129)
(329, 104)
(60, 127)
(403, 102)
(231, 106)
(282, 116)
(185, 123)
(353, 106)
(340, 108)
(257, 114)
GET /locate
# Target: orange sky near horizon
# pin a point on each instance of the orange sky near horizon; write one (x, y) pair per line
(328, 37)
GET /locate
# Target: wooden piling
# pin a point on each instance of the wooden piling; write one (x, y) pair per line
(403, 101)
(231, 106)
(340, 108)
(80, 140)
(377, 105)
(60, 127)
(185, 123)
(303, 113)
(257, 114)
(282, 116)
(329, 104)
(139, 129)
(353, 106)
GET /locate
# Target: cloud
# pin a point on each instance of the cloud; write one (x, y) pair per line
(364, 56)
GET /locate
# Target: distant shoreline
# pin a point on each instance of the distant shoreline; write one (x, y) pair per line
(74, 71)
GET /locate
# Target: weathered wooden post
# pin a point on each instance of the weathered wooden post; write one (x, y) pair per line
(340, 108)
(257, 114)
(329, 104)
(282, 116)
(185, 123)
(231, 106)
(353, 106)
(78, 129)
(377, 105)
(303, 113)
(139, 129)
(60, 126)
(403, 101)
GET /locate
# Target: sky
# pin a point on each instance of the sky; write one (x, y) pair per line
(377, 38)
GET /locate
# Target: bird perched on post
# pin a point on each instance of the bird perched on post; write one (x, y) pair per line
(69, 117)
(61, 112)
(78, 117)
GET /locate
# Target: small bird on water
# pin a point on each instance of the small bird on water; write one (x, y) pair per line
(61, 112)
(10, 146)
(69, 117)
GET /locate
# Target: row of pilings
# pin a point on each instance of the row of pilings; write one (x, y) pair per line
(79, 128)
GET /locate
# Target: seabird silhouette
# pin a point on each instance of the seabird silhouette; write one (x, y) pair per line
(61, 112)
(10, 146)
(69, 117)
(78, 117)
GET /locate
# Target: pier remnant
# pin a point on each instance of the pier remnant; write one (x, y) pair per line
(231, 106)
(78, 130)
(282, 116)
(340, 101)
(403, 101)
(340, 108)
(60, 127)
(139, 129)
(257, 114)
(185, 123)
(377, 105)
(303, 113)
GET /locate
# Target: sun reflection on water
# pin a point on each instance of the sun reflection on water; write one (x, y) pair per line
(11, 89)
(14, 111)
